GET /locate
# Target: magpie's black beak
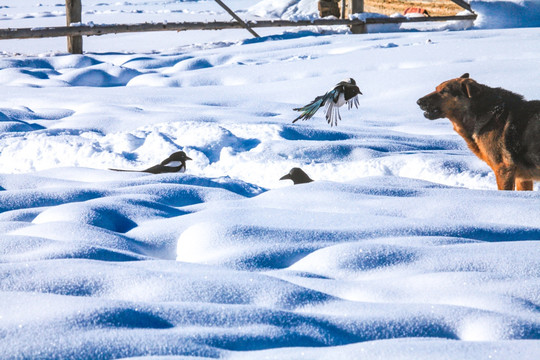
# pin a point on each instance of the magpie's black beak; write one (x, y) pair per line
(187, 158)
(286, 177)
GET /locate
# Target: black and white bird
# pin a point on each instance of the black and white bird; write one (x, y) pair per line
(345, 92)
(174, 163)
(297, 175)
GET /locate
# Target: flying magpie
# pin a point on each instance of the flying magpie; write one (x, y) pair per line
(345, 92)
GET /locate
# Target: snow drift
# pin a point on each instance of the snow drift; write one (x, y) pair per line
(400, 248)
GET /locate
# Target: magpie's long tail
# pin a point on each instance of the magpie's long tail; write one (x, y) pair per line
(125, 170)
(310, 109)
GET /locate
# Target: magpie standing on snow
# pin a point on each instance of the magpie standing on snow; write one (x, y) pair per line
(345, 92)
(297, 175)
(174, 163)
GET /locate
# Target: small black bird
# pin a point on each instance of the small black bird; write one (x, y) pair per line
(298, 176)
(345, 92)
(174, 163)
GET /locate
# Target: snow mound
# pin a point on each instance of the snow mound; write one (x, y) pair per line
(507, 14)
(285, 9)
(400, 248)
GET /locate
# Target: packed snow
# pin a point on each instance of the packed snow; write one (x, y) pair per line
(402, 248)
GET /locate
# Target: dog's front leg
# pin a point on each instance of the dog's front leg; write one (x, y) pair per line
(506, 177)
(524, 184)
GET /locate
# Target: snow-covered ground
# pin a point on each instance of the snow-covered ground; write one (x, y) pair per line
(400, 249)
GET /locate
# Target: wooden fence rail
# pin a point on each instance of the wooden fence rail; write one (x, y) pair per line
(89, 30)
(74, 31)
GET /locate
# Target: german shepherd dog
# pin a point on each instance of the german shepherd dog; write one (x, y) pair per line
(500, 127)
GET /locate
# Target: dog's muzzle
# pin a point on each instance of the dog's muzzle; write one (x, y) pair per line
(430, 112)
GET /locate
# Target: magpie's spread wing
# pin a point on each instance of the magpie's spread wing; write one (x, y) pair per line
(332, 113)
(332, 107)
(310, 109)
(353, 102)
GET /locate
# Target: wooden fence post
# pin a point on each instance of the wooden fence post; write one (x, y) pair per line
(356, 7)
(74, 15)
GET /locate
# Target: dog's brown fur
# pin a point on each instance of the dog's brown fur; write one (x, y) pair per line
(500, 127)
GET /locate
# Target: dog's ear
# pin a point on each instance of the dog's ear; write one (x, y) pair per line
(470, 88)
(464, 76)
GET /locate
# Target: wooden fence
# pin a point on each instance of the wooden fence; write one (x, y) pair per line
(74, 30)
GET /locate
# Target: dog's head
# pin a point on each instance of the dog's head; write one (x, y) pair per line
(449, 98)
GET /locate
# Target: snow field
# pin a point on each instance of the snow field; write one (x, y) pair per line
(400, 249)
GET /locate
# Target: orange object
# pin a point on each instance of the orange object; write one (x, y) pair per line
(416, 10)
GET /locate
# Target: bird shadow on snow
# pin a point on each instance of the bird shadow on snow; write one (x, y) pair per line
(309, 133)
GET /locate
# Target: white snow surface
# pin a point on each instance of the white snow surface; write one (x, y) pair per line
(402, 248)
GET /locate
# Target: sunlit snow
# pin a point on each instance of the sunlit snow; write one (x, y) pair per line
(402, 248)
